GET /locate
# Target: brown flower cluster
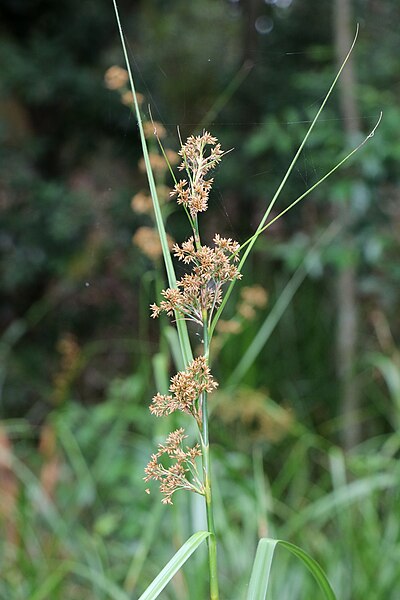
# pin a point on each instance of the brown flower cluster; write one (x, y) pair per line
(142, 202)
(253, 412)
(147, 239)
(116, 79)
(196, 295)
(154, 128)
(231, 327)
(197, 162)
(157, 163)
(186, 387)
(174, 477)
(253, 297)
(200, 290)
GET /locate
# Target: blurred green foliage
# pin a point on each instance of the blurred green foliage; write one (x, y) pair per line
(69, 155)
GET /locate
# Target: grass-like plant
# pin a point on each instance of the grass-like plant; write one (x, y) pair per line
(200, 297)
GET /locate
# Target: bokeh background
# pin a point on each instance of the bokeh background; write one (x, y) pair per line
(305, 425)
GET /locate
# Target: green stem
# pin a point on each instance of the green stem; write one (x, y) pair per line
(212, 540)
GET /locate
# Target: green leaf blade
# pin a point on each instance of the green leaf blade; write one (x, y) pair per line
(183, 334)
(173, 566)
(260, 576)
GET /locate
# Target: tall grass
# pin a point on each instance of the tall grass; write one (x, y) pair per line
(204, 307)
(76, 522)
(89, 540)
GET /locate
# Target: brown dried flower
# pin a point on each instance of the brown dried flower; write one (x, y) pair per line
(246, 311)
(255, 295)
(193, 193)
(257, 413)
(186, 387)
(157, 163)
(142, 203)
(196, 296)
(163, 192)
(10, 486)
(147, 239)
(200, 290)
(174, 477)
(231, 327)
(152, 128)
(173, 157)
(116, 78)
(127, 98)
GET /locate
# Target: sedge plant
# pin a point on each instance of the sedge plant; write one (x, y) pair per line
(200, 297)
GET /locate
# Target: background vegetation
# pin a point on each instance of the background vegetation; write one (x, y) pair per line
(305, 430)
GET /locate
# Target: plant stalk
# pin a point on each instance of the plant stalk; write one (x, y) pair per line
(211, 540)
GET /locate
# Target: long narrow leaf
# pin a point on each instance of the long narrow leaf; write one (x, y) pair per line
(313, 187)
(260, 576)
(274, 316)
(250, 243)
(173, 566)
(180, 323)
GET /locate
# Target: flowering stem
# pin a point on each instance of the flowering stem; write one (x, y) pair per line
(212, 540)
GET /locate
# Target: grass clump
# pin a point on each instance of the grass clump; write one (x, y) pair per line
(199, 297)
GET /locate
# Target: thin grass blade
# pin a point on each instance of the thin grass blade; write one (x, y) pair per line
(313, 187)
(173, 566)
(252, 240)
(180, 324)
(260, 576)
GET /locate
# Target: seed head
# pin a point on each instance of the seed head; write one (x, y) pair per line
(147, 239)
(183, 462)
(202, 288)
(194, 191)
(186, 388)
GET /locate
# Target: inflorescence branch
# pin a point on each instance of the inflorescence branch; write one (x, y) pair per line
(197, 295)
